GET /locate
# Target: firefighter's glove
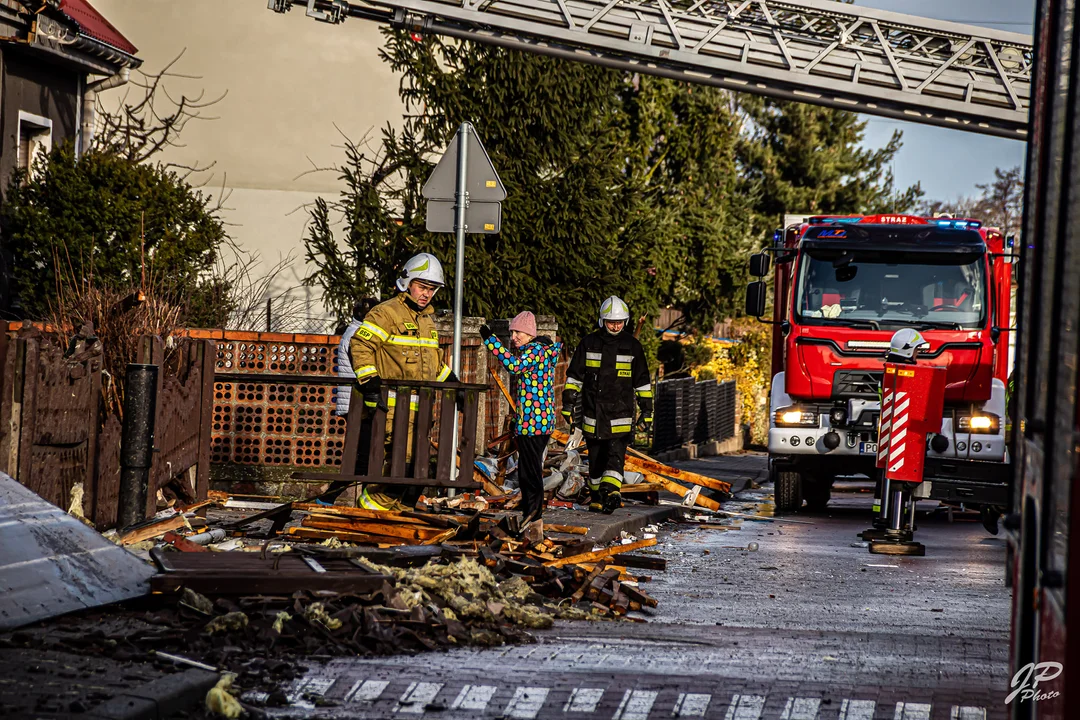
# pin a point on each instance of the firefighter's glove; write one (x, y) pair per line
(485, 332)
(644, 423)
(568, 415)
(372, 395)
(452, 377)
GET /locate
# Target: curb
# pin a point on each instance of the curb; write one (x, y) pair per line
(605, 528)
(158, 699)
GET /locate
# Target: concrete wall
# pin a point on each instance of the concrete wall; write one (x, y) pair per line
(292, 87)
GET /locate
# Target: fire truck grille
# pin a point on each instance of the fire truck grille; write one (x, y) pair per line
(856, 383)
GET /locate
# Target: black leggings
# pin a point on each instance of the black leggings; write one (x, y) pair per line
(531, 474)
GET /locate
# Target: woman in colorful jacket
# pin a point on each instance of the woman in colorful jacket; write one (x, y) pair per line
(535, 367)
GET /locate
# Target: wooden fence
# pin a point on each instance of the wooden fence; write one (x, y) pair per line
(55, 434)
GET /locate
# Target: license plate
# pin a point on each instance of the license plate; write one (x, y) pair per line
(868, 448)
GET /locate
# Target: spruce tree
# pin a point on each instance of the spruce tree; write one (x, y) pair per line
(803, 158)
(618, 185)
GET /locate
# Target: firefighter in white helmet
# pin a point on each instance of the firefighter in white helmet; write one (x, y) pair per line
(397, 340)
(608, 373)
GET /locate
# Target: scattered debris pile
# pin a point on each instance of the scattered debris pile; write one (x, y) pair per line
(565, 469)
(318, 554)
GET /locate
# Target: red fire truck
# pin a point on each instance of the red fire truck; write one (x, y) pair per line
(843, 286)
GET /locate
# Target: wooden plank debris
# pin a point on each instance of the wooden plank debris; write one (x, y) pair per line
(604, 553)
(152, 530)
(655, 471)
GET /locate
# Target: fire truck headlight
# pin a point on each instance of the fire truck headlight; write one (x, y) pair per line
(796, 417)
(983, 423)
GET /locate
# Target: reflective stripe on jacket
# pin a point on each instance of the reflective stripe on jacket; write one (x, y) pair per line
(611, 374)
(397, 342)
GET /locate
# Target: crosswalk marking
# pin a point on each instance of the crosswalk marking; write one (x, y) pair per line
(691, 705)
(583, 700)
(417, 696)
(801, 709)
(474, 697)
(967, 713)
(635, 705)
(310, 686)
(526, 702)
(366, 691)
(745, 707)
(857, 710)
(911, 711)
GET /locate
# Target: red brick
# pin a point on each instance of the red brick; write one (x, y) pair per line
(317, 339)
(241, 336)
(274, 337)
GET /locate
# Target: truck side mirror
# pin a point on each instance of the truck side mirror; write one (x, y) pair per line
(759, 264)
(755, 299)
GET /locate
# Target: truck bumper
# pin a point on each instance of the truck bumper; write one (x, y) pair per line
(811, 441)
(969, 481)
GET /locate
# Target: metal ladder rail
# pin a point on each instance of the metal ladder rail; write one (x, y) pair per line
(824, 53)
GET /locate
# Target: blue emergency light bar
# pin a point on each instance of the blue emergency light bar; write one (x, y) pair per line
(818, 220)
(958, 224)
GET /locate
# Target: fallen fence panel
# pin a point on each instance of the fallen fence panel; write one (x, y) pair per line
(53, 564)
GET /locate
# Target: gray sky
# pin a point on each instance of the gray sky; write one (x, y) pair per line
(947, 162)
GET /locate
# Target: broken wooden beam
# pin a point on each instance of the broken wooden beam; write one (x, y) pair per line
(182, 544)
(673, 487)
(351, 512)
(415, 533)
(645, 487)
(640, 461)
(600, 583)
(152, 530)
(638, 596)
(317, 534)
(605, 553)
(648, 562)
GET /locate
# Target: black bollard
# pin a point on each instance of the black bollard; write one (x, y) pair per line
(137, 441)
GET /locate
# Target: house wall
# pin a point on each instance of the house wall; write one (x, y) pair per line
(293, 89)
(39, 87)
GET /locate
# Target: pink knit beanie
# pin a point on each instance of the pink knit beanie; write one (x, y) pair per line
(524, 322)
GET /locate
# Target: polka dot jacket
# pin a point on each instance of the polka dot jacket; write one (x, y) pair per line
(535, 368)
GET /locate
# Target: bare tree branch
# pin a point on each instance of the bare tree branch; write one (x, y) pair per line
(139, 129)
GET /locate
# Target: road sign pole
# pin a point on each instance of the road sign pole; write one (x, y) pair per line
(464, 195)
(461, 200)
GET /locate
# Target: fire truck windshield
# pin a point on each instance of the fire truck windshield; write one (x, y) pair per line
(875, 288)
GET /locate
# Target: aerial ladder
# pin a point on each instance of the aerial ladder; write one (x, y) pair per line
(823, 53)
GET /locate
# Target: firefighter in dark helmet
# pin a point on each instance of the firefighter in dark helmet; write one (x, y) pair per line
(609, 375)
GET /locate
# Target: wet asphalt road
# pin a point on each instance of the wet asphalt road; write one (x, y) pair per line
(808, 626)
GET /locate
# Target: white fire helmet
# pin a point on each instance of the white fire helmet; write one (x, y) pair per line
(424, 266)
(613, 309)
(906, 342)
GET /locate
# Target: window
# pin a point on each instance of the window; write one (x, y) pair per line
(35, 138)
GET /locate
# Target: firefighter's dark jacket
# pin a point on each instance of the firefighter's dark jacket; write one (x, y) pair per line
(609, 372)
